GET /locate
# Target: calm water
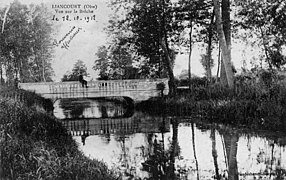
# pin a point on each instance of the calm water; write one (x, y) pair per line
(162, 147)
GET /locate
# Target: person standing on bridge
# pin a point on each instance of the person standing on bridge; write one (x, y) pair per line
(82, 81)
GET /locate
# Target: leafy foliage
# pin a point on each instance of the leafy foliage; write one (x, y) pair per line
(266, 20)
(79, 68)
(136, 39)
(25, 43)
(101, 64)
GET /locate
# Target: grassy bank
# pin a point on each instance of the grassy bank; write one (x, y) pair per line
(255, 105)
(34, 145)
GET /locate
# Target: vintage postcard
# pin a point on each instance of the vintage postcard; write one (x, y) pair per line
(142, 89)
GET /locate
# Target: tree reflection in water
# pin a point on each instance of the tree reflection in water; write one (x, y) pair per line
(214, 154)
(160, 162)
(230, 140)
(194, 149)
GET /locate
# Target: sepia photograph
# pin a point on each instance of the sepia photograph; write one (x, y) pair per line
(142, 89)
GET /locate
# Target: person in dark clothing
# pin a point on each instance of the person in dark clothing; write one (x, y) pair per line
(84, 136)
(82, 81)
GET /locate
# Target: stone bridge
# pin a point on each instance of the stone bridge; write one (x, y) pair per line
(135, 89)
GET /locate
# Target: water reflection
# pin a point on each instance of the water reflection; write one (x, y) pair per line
(160, 147)
(90, 108)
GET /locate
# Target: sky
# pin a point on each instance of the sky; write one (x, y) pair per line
(84, 38)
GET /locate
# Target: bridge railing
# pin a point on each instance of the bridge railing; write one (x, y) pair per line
(134, 87)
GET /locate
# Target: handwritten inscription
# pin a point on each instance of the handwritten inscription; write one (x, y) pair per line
(74, 12)
(75, 18)
(65, 41)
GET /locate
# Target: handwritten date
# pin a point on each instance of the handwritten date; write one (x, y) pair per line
(74, 18)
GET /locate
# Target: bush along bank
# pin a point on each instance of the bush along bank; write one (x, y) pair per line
(257, 106)
(28, 98)
(34, 145)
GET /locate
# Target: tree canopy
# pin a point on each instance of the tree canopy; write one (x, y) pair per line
(150, 34)
(26, 48)
(78, 68)
(267, 21)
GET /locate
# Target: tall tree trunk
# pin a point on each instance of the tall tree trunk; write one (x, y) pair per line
(4, 18)
(208, 59)
(2, 31)
(43, 64)
(1, 74)
(265, 48)
(165, 47)
(225, 49)
(227, 32)
(209, 49)
(218, 63)
(223, 78)
(172, 85)
(190, 54)
(16, 72)
(43, 72)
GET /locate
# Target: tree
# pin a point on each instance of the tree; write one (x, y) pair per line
(224, 46)
(42, 44)
(197, 17)
(266, 21)
(79, 68)
(150, 26)
(209, 63)
(101, 63)
(121, 58)
(225, 8)
(15, 41)
(116, 61)
(26, 48)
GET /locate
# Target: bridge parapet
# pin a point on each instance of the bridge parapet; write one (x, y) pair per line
(136, 89)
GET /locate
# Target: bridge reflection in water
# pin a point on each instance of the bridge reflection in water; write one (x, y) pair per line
(102, 126)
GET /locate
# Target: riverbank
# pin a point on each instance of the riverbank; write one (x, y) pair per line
(34, 145)
(249, 105)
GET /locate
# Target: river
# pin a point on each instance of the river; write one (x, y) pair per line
(145, 146)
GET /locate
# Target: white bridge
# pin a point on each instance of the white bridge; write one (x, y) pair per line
(135, 89)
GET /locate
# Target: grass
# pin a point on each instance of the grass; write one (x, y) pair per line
(34, 145)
